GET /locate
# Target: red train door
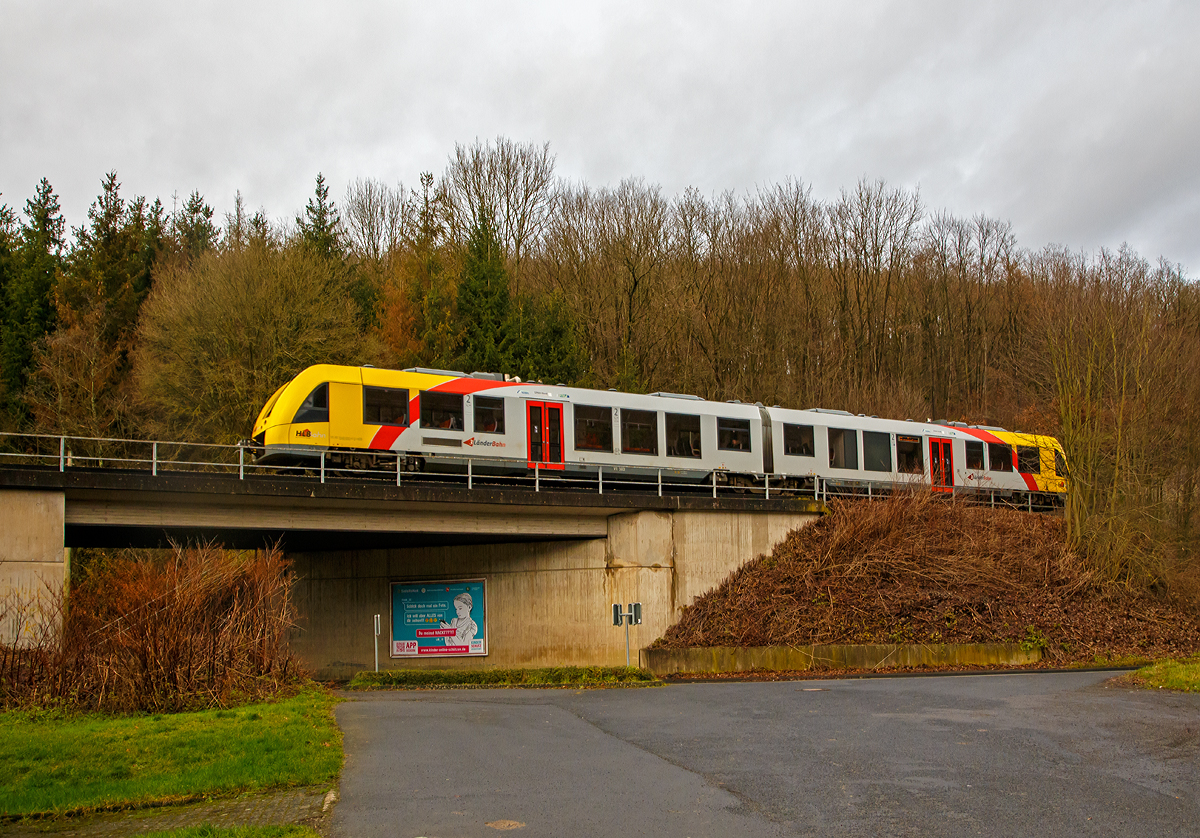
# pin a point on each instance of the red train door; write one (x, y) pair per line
(545, 430)
(941, 465)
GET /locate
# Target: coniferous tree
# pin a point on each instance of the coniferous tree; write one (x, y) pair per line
(82, 365)
(27, 299)
(193, 227)
(483, 302)
(322, 233)
(541, 342)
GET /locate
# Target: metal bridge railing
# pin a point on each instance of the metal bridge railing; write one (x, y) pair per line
(64, 452)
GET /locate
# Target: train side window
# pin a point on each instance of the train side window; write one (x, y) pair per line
(798, 440)
(441, 410)
(385, 406)
(843, 448)
(974, 455)
(315, 407)
(877, 451)
(733, 434)
(593, 428)
(999, 457)
(1029, 459)
(489, 415)
(1060, 464)
(639, 431)
(910, 455)
(683, 435)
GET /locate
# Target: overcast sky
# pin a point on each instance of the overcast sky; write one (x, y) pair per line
(1077, 122)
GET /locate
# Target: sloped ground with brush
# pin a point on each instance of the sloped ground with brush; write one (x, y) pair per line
(920, 569)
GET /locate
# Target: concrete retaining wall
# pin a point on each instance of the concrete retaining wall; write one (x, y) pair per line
(33, 562)
(547, 603)
(871, 656)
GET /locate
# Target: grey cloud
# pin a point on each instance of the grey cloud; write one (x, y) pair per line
(1075, 121)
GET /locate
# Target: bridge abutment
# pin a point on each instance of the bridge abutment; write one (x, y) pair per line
(33, 565)
(548, 603)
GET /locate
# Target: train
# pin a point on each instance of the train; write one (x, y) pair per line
(427, 420)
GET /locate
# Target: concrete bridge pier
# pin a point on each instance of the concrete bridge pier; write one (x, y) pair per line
(33, 563)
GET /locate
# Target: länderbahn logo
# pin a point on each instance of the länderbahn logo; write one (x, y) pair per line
(484, 443)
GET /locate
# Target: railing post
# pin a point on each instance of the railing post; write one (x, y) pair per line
(154, 460)
(62, 453)
(537, 486)
(600, 474)
(714, 476)
(398, 469)
(322, 466)
(660, 482)
(766, 486)
(469, 474)
(241, 463)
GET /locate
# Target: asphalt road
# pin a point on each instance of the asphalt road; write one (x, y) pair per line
(996, 755)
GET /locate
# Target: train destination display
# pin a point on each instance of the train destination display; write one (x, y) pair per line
(439, 618)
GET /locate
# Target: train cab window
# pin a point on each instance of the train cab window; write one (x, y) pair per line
(593, 428)
(1060, 464)
(683, 435)
(315, 407)
(639, 431)
(974, 455)
(910, 455)
(733, 434)
(798, 440)
(489, 415)
(385, 406)
(441, 410)
(999, 457)
(1029, 459)
(877, 451)
(843, 448)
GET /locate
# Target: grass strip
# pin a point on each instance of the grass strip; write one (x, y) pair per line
(554, 676)
(208, 831)
(57, 763)
(1170, 675)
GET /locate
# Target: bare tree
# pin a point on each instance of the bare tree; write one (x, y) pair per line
(510, 184)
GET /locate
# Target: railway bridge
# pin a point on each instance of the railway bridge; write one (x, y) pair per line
(551, 558)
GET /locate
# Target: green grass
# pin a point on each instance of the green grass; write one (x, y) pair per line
(1170, 675)
(55, 763)
(237, 832)
(557, 676)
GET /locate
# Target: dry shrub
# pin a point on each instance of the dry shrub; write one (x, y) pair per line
(204, 627)
(921, 569)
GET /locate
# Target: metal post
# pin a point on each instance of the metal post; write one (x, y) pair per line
(154, 460)
(660, 495)
(600, 474)
(537, 487)
(767, 486)
(398, 469)
(62, 453)
(241, 463)
(468, 474)
(376, 642)
(714, 485)
(628, 620)
(322, 466)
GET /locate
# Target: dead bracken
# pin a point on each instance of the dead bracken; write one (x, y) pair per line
(922, 569)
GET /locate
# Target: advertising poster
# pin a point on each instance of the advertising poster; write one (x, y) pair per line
(439, 619)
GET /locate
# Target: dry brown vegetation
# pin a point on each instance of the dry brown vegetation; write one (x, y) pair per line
(920, 569)
(202, 627)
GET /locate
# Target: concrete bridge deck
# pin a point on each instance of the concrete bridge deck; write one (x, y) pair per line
(553, 560)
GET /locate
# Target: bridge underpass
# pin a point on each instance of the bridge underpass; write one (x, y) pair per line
(553, 562)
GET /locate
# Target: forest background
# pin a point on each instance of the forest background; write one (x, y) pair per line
(170, 324)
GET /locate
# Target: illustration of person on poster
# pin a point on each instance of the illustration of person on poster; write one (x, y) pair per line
(464, 627)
